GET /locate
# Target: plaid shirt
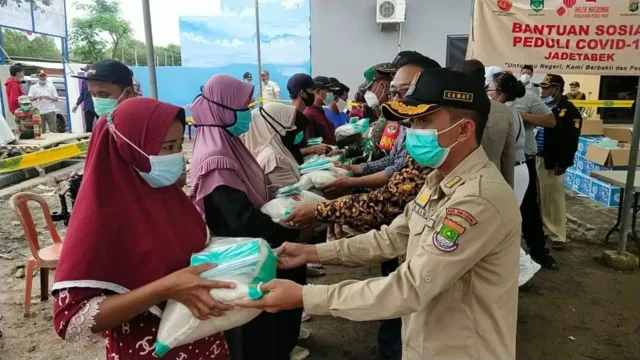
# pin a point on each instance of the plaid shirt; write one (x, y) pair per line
(27, 120)
(392, 163)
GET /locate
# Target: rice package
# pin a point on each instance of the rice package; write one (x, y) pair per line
(280, 208)
(344, 131)
(318, 179)
(248, 263)
(314, 141)
(315, 165)
(290, 190)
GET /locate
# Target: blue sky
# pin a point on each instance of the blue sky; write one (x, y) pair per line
(229, 37)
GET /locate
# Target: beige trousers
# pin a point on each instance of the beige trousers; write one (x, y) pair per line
(552, 202)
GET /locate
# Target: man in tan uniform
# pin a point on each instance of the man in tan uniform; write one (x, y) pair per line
(457, 292)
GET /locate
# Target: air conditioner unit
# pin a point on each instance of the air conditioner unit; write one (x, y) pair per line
(391, 11)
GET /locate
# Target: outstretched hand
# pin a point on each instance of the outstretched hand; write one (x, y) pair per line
(292, 255)
(281, 295)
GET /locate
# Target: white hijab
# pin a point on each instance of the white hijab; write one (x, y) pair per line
(264, 139)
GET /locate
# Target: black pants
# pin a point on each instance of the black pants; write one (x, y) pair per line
(389, 333)
(530, 211)
(89, 118)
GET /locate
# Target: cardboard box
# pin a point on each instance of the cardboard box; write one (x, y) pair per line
(620, 133)
(582, 184)
(569, 178)
(592, 127)
(584, 142)
(581, 165)
(605, 194)
(591, 167)
(610, 158)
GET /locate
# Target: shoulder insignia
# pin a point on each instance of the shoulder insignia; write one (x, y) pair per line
(446, 239)
(576, 123)
(423, 197)
(463, 214)
(451, 183)
(562, 112)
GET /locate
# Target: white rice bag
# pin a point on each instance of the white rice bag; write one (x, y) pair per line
(280, 208)
(318, 178)
(248, 263)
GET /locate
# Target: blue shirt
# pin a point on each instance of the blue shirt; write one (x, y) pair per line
(392, 163)
(540, 139)
(338, 119)
(85, 97)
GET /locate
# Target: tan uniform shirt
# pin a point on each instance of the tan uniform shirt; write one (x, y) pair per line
(457, 293)
(499, 140)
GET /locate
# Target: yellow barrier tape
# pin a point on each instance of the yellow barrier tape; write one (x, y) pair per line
(43, 157)
(603, 103)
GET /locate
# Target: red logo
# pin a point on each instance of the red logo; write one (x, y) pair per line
(561, 11)
(505, 5)
(569, 3)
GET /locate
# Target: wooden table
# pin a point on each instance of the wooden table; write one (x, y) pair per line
(619, 178)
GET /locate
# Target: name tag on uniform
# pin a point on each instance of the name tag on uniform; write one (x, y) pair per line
(420, 211)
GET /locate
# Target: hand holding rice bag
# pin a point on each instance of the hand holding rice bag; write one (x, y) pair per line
(248, 263)
(280, 208)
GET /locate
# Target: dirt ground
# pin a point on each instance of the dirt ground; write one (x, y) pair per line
(583, 311)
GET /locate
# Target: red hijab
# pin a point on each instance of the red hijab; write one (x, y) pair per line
(123, 233)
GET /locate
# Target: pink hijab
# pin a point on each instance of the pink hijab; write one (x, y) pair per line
(220, 158)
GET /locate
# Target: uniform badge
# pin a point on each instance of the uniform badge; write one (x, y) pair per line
(423, 197)
(562, 112)
(463, 214)
(451, 183)
(576, 123)
(446, 239)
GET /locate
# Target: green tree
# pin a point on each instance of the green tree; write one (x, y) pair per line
(134, 52)
(102, 28)
(17, 44)
(36, 3)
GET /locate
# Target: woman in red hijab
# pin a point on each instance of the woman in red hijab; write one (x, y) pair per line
(130, 239)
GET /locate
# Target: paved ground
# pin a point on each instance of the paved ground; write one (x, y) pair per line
(583, 311)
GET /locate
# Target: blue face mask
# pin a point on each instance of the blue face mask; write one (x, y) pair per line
(165, 169)
(424, 148)
(243, 118)
(298, 138)
(104, 106)
(243, 122)
(328, 99)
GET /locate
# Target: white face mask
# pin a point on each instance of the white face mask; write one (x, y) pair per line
(371, 98)
(341, 105)
(525, 78)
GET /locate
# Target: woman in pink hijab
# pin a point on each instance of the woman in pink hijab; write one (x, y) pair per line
(228, 188)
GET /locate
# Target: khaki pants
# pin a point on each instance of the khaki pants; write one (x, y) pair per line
(49, 122)
(552, 202)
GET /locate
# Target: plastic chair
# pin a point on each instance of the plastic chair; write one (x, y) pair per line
(44, 258)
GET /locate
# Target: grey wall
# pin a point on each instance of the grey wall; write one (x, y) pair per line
(346, 40)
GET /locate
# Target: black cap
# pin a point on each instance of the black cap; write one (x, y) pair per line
(413, 57)
(299, 82)
(432, 89)
(111, 71)
(575, 83)
(247, 75)
(551, 80)
(326, 82)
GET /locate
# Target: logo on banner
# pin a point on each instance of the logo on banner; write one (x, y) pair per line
(633, 5)
(505, 5)
(538, 5)
(569, 3)
(561, 11)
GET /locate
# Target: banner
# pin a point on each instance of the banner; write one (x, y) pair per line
(43, 157)
(596, 37)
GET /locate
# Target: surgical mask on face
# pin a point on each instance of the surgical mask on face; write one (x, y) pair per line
(549, 99)
(424, 148)
(42, 82)
(341, 105)
(243, 123)
(310, 99)
(298, 138)
(371, 98)
(328, 98)
(573, 92)
(165, 169)
(525, 78)
(104, 106)
(25, 107)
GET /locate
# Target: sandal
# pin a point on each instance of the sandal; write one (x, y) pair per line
(305, 316)
(558, 246)
(315, 265)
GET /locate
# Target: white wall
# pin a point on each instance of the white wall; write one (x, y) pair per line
(346, 40)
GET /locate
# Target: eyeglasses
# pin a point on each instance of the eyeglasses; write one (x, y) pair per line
(399, 93)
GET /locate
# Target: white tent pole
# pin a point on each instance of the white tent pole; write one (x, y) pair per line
(258, 45)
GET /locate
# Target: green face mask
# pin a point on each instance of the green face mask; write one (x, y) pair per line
(298, 138)
(104, 106)
(25, 107)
